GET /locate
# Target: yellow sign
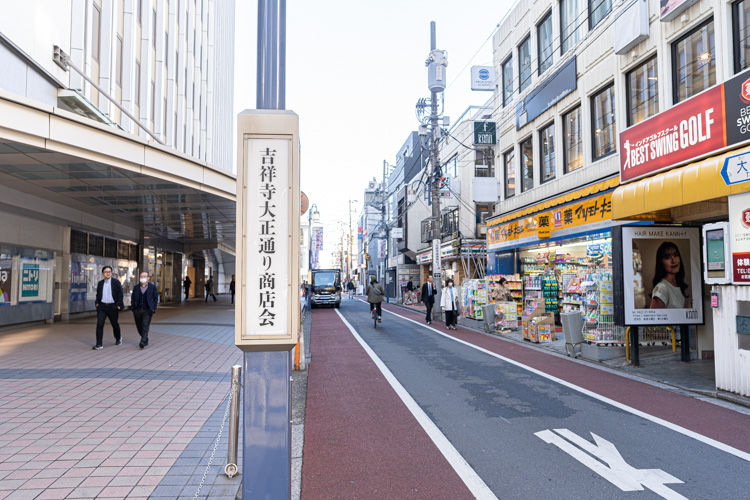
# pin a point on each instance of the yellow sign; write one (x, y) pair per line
(596, 209)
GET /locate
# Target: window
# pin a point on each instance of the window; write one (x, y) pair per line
(642, 92)
(598, 9)
(484, 211)
(96, 20)
(572, 138)
(694, 62)
(740, 21)
(527, 165)
(524, 64)
(508, 80)
(509, 160)
(138, 83)
(118, 69)
(547, 152)
(568, 24)
(544, 43)
(603, 123)
(484, 163)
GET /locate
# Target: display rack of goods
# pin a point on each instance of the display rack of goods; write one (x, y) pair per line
(572, 294)
(550, 293)
(479, 298)
(599, 319)
(531, 310)
(507, 315)
(467, 292)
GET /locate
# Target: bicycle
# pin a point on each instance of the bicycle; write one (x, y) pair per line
(374, 314)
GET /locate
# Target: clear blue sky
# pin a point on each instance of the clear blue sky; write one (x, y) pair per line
(355, 70)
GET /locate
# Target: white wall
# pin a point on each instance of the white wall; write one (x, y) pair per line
(732, 364)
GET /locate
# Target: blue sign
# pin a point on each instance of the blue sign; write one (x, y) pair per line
(547, 94)
(736, 169)
(484, 74)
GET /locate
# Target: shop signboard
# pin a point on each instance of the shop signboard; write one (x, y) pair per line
(436, 263)
(483, 78)
(739, 242)
(706, 123)
(424, 257)
(662, 280)
(671, 9)
(597, 209)
(30, 281)
(77, 282)
(544, 225)
(547, 94)
(484, 134)
(6, 275)
(359, 233)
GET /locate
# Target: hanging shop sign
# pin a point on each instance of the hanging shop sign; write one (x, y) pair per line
(547, 94)
(739, 242)
(317, 238)
(701, 125)
(30, 281)
(397, 233)
(662, 281)
(436, 254)
(424, 257)
(672, 9)
(359, 233)
(485, 134)
(483, 78)
(592, 212)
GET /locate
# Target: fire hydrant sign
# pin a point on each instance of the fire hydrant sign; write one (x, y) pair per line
(739, 243)
(268, 204)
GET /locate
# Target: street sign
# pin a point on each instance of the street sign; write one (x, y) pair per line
(483, 78)
(736, 169)
(268, 201)
(484, 134)
(397, 233)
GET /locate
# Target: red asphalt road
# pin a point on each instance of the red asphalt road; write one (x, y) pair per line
(361, 442)
(722, 424)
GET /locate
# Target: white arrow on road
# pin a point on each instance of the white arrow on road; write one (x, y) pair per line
(618, 472)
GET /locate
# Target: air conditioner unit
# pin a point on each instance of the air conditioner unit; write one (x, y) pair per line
(371, 185)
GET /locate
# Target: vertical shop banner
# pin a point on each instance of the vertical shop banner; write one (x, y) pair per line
(436, 261)
(6, 274)
(30, 281)
(739, 242)
(77, 282)
(318, 238)
(382, 249)
(662, 279)
(697, 127)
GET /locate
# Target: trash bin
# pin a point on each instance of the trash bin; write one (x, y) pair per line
(488, 313)
(572, 323)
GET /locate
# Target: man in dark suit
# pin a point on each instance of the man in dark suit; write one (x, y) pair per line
(428, 297)
(143, 303)
(108, 305)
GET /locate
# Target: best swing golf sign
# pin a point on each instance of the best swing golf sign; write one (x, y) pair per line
(268, 199)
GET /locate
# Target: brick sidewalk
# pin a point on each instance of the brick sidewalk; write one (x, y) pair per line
(121, 422)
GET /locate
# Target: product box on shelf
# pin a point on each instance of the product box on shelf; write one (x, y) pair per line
(542, 328)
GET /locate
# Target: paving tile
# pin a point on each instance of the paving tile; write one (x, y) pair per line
(141, 491)
(24, 494)
(167, 491)
(55, 494)
(98, 481)
(67, 482)
(115, 492)
(85, 492)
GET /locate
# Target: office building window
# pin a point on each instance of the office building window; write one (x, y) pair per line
(484, 163)
(509, 161)
(547, 152)
(568, 24)
(642, 92)
(694, 62)
(598, 10)
(96, 20)
(603, 123)
(524, 64)
(544, 39)
(740, 23)
(527, 165)
(508, 80)
(484, 211)
(572, 140)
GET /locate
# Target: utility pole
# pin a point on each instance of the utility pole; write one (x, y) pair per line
(384, 220)
(436, 79)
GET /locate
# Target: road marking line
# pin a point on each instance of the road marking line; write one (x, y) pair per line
(669, 425)
(617, 471)
(467, 474)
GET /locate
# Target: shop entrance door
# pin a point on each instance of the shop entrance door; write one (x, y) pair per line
(194, 285)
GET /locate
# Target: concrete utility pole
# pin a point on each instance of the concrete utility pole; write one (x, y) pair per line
(385, 229)
(436, 79)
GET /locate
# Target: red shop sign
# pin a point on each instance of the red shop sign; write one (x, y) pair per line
(689, 130)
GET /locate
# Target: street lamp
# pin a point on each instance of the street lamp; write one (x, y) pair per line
(312, 216)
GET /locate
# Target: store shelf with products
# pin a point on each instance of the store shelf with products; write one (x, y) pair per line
(513, 282)
(473, 297)
(599, 320)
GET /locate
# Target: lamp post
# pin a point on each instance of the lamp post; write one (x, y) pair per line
(312, 216)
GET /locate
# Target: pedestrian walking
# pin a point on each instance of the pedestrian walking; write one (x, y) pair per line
(410, 286)
(350, 289)
(231, 289)
(428, 297)
(108, 304)
(143, 303)
(449, 304)
(210, 288)
(186, 284)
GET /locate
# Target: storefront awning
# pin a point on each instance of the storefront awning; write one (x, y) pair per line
(559, 200)
(653, 197)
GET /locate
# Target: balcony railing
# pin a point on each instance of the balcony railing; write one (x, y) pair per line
(429, 230)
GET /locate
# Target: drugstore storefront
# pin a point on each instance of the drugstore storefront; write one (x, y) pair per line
(460, 260)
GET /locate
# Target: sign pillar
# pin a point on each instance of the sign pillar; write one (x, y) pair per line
(268, 306)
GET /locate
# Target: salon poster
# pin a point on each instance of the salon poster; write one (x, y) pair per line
(662, 275)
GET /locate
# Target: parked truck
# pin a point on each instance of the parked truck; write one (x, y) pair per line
(326, 287)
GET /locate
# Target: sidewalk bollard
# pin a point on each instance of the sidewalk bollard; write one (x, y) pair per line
(234, 423)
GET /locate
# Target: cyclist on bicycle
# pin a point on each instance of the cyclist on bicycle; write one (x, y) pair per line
(375, 295)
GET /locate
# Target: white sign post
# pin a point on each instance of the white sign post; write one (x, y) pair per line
(268, 200)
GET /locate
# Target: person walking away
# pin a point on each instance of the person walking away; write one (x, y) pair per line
(375, 295)
(186, 284)
(143, 303)
(448, 301)
(210, 288)
(108, 304)
(410, 286)
(231, 289)
(428, 297)
(350, 289)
